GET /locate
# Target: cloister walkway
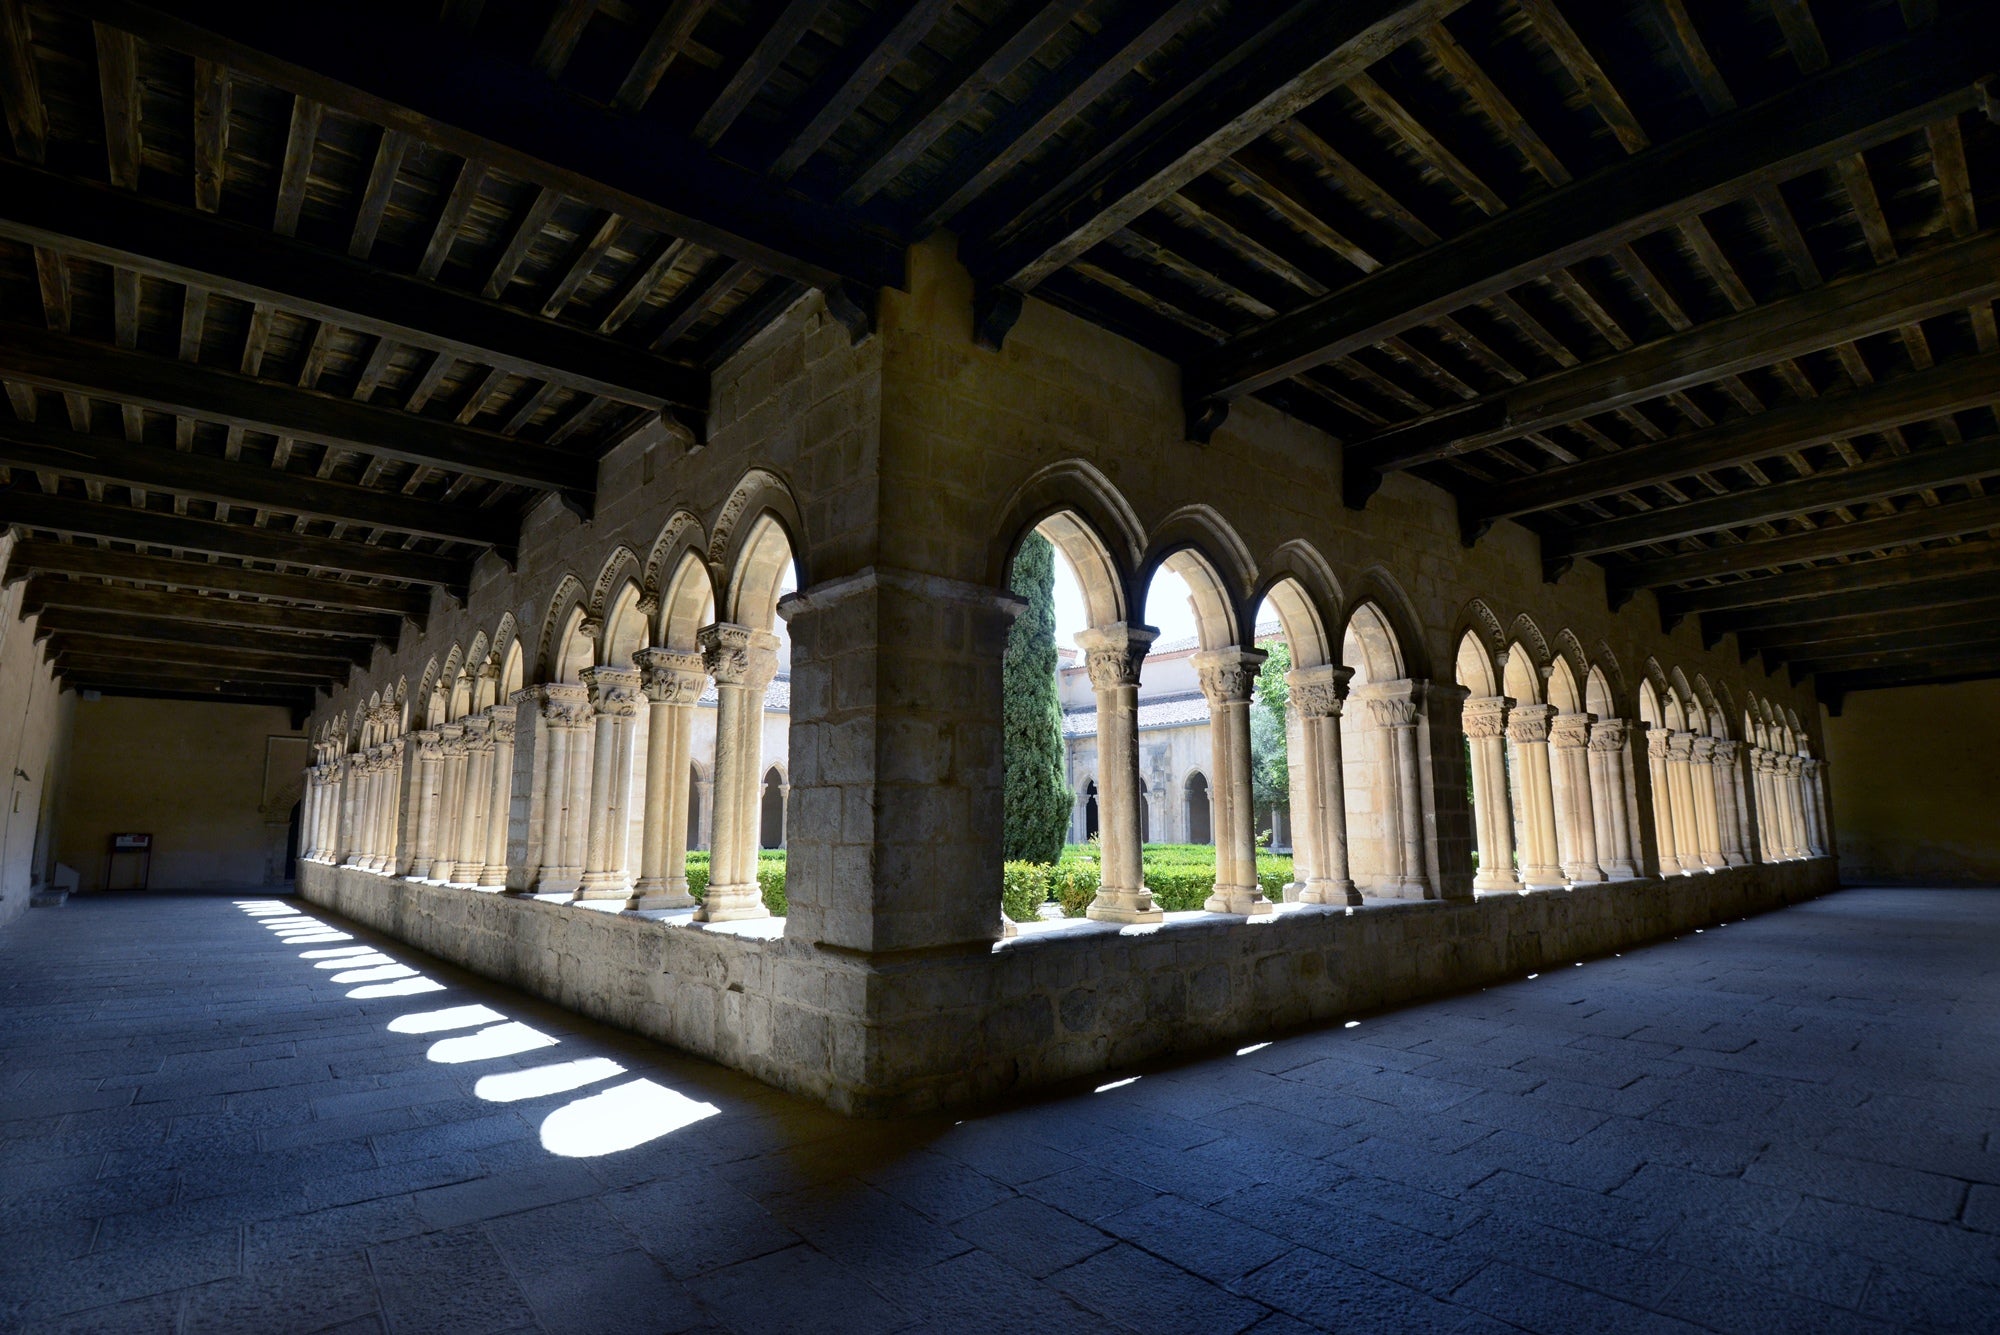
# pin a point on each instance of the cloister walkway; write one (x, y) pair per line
(229, 1113)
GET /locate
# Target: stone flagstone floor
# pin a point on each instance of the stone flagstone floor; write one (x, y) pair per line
(228, 1114)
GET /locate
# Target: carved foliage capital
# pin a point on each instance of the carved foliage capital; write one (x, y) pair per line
(1486, 716)
(1228, 676)
(1570, 732)
(565, 705)
(1530, 723)
(1113, 654)
(503, 724)
(613, 691)
(738, 656)
(1317, 692)
(1680, 746)
(672, 676)
(1610, 734)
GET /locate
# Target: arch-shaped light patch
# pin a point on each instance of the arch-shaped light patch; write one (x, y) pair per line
(452, 1017)
(501, 1040)
(537, 1081)
(620, 1118)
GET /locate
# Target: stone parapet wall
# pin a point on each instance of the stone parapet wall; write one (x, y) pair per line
(882, 1036)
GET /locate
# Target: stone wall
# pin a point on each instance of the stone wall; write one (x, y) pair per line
(34, 729)
(1932, 823)
(1072, 999)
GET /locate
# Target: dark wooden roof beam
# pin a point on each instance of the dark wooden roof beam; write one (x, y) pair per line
(123, 659)
(851, 77)
(1883, 94)
(1970, 560)
(1839, 636)
(98, 624)
(69, 558)
(47, 591)
(20, 85)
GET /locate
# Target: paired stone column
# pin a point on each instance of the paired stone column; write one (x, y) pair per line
(1528, 728)
(1663, 800)
(429, 767)
(614, 703)
(565, 719)
(1729, 802)
(500, 796)
(673, 682)
(1707, 802)
(1609, 760)
(451, 800)
(1316, 696)
(376, 769)
(742, 661)
(1113, 655)
(475, 792)
(1815, 776)
(1493, 813)
(1680, 778)
(1569, 736)
(1788, 782)
(1392, 705)
(1228, 680)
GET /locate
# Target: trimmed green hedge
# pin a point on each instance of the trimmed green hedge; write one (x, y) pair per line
(770, 877)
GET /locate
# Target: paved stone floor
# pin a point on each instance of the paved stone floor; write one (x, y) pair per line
(225, 1114)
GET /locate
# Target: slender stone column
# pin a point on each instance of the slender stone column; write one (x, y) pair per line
(1743, 778)
(1609, 756)
(1729, 802)
(1760, 787)
(451, 800)
(1680, 758)
(1774, 784)
(1795, 835)
(673, 682)
(1707, 804)
(1316, 696)
(614, 702)
(1816, 799)
(1569, 737)
(1228, 680)
(392, 806)
(703, 799)
(310, 831)
(1393, 707)
(1657, 740)
(742, 661)
(375, 769)
(1112, 655)
(430, 763)
(500, 798)
(476, 791)
(1529, 729)
(1486, 730)
(565, 710)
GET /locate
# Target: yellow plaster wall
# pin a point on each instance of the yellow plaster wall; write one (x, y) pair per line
(1916, 796)
(189, 773)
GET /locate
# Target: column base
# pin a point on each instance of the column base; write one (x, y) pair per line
(1126, 906)
(1543, 878)
(441, 871)
(1499, 885)
(493, 878)
(1712, 862)
(1331, 892)
(653, 892)
(1247, 900)
(467, 874)
(1736, 859)
(598, 885)
(732, 903)
(557, 881)
(1583, 875)
(1621, 871)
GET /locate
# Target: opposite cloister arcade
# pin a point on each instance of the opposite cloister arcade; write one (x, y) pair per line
(563, 768)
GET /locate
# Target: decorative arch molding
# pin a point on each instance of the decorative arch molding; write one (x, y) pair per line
(1217, 606)
(1657, 676)
(569, 595)
(1528, 635)
(687, 599)
(682, 532)
(1202, 528)
(1377, 586)
(1605, 661)
(1570, 649)
(1300, 585)
(1478, 619)
(1073, 485)
(621, 566)
(760, 492)
(1383, 650)
(1476, 666)
(504, 636)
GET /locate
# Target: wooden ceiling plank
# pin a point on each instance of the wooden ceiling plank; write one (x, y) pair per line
(1494, 104)
(1852, 631)
(251, 264)
(640, 282)
(581, 263)
(1819, 120)
(295, 170)
(1426, 145)
(1568, 48)
(300, 702)
(48, 591)
(390, 150)
(263, 640)
(20, 86)
(73, 365)
(1311, 50)
(1367, 192)
(76, 559)
(779, 37)
(1971, 560)
(118, 90)
(1263, 178)
(122, 523)
(211, 97)
(1898, 476)
(527, 230)
(1684, 39)
(162, 661)
(676, 24)
(559, 39)
(848, 82)
(1975, 648)
(693, 302)
(457, 204)
(1802, 36)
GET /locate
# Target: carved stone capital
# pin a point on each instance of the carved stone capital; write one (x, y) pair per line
(1531, 723)
(1228, 676)
(427, 745)
(565, 705)
(1680, 746)
(1485, 716)
(673, 677)
(1318, 692)
(1113, 654)
(1726, 752)
(451, 738)
(1703, 749)
(1610, 734)
(1656, 743)
(738, 656)
(613, 691)
(503, 724)
(1570, 732)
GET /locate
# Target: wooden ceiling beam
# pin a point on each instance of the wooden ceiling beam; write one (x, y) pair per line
(1950, 652)
(1953, 387)
(1968, 561)
(46, 447)
(1837, 636)
(67, 558)
(449, 89)
(781, 34)
(1308, 51)
(1834, 687)
(95, 623)
(45, 591)
(1876, 97)
(150, 528)
(20, 86)
(258, 266)
(1866, 535)
(299, 702)
(676, 24)
(1895, 476)
(1867, 303)
(73, 365)
(77, 653)
(853, 75)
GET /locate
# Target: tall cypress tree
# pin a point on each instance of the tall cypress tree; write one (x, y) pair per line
(1037, 799)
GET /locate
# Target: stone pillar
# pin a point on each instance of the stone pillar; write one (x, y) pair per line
(1393, 707)
(373, 769)
(1664, 831)
(1529, 730)
(1816, 779)
(475, 791)
(499, 797)
(673, 682)
(565, 714)
(1486, 731)
(1569, 739)
(451, 800)
(392, 807)
(1788, 775)
(614, 702)
(1228, 679)
(1609, 758)
(310, 831)
(1316, 696)
(1680, 763)
(1707, 804)
(1729, 802)
(703, 799)
(742, 661)
(429, 766)
(1113, 655)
